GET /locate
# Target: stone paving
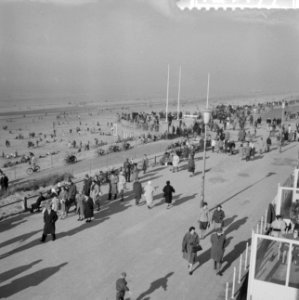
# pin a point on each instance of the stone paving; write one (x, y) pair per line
(86, 259)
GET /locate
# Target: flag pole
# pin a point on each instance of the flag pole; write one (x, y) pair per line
(179, 92)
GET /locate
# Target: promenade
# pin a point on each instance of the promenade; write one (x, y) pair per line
(86, 259)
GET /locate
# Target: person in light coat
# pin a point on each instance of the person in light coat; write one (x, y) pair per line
(175, 162)
(149, 194)
(121, 185)
(95, 193)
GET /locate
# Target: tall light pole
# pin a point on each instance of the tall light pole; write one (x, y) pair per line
(179, 93)
(167, 94)
(206, 119)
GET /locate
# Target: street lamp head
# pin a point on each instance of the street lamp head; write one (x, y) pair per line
(206, 116)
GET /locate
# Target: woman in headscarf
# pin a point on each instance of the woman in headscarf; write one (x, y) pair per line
(149, 194)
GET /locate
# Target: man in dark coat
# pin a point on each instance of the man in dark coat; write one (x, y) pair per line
(71, 195)
(168, 190)
(50, 217)
(121, 287)
(86, 185)
(217, 249)
(127, 170)
(218, 217)
(37, 203)
(137, 190)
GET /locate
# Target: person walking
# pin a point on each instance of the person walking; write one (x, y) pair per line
(191, 164)
(204, 220)
(50, 218)
(121, 185)
(149, 194)
(63, 197)
(190, 246)
(112, 185)
(168, 190)
(137, 190)
(95, 193)
(121, 287)
(144, 163)
(127, 170)
(55, 203)
(175, 162)
(88, 209)
(80, 198)
(218, 217)
(217, 249)
(71, 196)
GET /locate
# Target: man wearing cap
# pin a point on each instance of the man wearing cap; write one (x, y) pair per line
(121, 287)
(218, 217)
(217, 249)
(204, 220)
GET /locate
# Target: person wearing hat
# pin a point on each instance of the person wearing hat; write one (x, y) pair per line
(190, 246)
(121, 287)
(50, 217)
(218, 217)
(217, 249)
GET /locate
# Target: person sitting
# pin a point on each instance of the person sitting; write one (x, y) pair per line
(36, 205)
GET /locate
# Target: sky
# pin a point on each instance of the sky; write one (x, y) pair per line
(120, 49)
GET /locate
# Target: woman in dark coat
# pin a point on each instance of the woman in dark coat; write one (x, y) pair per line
(191, 164)
(50, 217)
(88, 209)
(190, 242)
(168, 190)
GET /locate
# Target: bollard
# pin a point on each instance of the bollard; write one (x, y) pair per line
(226, 291)
(240, 268)
(233, 286)
(246, 257)
(25, 204)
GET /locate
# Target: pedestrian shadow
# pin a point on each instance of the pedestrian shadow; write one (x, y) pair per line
(234, 254)
(33, 279)
(16, 271)
(155, 285)
(20, 238)
(150, 179)
(12, 222)
(236, 225)
(229, 220)
(179, 201)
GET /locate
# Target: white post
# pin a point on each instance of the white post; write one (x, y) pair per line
(240, 268)
(233, 286)
(208, 91)
(226, 291)
(257, 228)
(246, 257)
(266, 216)
(167, 92)
(262, 225)
(179, 92)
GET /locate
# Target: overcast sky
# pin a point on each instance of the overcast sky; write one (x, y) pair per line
(119, 49)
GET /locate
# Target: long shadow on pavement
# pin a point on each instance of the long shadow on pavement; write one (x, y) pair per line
(155, 285)
(16, 271)
(150, 179)
(234, 254)
(29, 280)
(243, 190)
(236, 225)
(20, 238)
(12, 222)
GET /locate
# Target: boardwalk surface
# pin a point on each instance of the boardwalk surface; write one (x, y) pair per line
(86, 259)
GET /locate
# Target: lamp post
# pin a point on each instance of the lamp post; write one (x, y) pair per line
(206, 120)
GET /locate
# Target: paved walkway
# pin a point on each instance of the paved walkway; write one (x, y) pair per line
(86, 259)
